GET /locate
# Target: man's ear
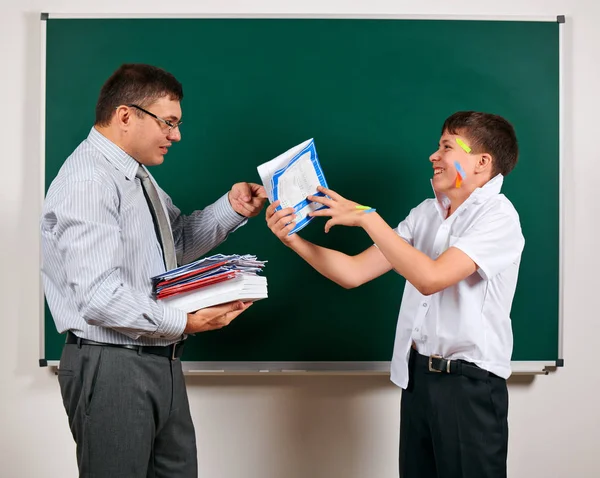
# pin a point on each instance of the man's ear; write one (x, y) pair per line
(484, 164)
(122, 116)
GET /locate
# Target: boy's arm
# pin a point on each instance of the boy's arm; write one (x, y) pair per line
(491, 245)
(428, 276)
(346, 271)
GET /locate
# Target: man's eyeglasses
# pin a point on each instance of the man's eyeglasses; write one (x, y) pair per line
(169, 124)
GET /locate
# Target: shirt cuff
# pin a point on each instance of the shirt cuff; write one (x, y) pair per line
(173, 324)
(226, 215)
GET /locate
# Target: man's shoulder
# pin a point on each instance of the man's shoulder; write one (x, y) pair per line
(85, 164)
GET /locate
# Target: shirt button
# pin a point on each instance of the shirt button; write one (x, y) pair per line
(416, 329)
(424, 304)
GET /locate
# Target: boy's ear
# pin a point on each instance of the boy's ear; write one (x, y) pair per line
(484, 164)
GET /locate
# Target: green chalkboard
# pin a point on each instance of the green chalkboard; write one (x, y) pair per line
(373, 94)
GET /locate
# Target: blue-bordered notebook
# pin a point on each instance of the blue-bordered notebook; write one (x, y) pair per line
(291, 177)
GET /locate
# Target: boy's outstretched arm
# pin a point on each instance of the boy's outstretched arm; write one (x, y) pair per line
(427, 275)
(346, 271)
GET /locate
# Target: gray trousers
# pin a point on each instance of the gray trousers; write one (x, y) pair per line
(128, 412)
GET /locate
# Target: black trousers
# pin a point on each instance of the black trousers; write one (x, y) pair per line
(453, 425)
(128, 412)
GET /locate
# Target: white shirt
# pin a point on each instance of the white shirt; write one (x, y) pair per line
(471, 319)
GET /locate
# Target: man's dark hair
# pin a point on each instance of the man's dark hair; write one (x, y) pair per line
(135, 83)
(487, 133)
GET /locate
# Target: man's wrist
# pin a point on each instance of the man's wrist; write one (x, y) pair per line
(173, 324)
(227, 215)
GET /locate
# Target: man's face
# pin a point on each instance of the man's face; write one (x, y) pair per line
(149, 139)
(444, 169)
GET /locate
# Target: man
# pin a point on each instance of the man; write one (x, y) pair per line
(106, 229)
(460, 255)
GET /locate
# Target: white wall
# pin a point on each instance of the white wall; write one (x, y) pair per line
(293, 427)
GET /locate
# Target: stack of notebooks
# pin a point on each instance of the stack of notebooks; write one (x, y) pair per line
(211, 281)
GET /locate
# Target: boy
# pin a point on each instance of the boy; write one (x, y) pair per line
(460, 255)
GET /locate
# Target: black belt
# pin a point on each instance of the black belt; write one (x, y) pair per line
(437, 364)
(172, 351)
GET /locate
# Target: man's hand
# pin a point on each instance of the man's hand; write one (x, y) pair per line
(214, 318)
(247, 199)
(281, 223)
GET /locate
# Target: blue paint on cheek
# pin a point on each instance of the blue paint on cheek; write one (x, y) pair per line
(460, 169)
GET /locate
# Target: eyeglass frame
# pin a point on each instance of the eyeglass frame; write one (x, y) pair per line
(170, 124)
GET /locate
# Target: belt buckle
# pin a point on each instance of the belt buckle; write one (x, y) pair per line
(174, 349)
(436, 356)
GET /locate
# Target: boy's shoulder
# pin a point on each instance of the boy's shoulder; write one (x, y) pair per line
(428, 205)
(500, 204)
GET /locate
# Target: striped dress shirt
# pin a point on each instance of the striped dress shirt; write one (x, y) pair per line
(99, 248)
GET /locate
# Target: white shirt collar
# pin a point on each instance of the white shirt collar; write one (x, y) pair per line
(480, 195)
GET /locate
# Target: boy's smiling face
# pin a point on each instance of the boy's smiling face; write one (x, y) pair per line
(444, 169)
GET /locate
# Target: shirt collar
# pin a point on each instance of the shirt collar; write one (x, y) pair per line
(480, 195)
(115, 155)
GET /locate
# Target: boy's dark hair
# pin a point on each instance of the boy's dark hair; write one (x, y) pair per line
(135, 83)
(487, 133)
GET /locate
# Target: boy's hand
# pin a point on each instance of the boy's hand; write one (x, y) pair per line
(342, 211)
(281, 223)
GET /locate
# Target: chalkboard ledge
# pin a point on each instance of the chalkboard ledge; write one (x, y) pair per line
(337, 368)
(536, 367)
